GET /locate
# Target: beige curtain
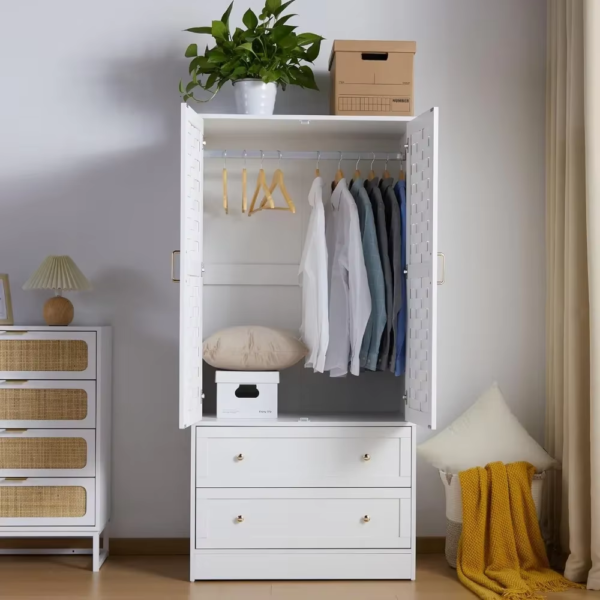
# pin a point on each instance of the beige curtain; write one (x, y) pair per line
(572, 506)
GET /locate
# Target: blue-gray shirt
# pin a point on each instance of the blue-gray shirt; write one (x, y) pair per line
(376, 199)
(369, 351)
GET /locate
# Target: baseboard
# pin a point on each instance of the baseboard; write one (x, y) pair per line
(161, 546)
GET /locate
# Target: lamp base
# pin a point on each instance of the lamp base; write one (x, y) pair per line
(58, 310)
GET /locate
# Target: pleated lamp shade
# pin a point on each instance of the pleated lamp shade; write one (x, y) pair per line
(58, 273)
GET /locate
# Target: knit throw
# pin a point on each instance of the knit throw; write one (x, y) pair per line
(501, 553)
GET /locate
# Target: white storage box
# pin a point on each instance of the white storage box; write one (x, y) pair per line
(247, 394)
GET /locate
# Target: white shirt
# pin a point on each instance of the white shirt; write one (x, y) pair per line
(349, 296)
(313, 274)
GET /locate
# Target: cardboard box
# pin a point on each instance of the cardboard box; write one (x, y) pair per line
(372, 78)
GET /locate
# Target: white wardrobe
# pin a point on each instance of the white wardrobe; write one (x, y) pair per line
(327, 490)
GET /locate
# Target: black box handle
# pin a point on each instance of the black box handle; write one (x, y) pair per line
(374, 55)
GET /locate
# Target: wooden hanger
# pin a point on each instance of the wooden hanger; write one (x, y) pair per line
(371, 172)
(261, 184)
(244, 186)
(317, 171)
(339, 174)
(278, 181)
(225, 199)
(402, 176)
(386, 173)
(356, 171)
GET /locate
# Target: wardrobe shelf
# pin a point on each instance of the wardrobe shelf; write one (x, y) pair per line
(302, 128)
(296, 420)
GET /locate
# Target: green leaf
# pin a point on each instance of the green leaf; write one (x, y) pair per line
(239, 72)
(272, 5)
(200, 29)
(210, 81)
(192, 50)
(191, 85)
(304, 39)
(289, 42)
(249, 19)
(217, 56)
(225, 17)
(284, 20)
(313, 51)
(281, 31)
(279, 10)
(219, 30)
(247, 47)
(181, 90)
(199, 63)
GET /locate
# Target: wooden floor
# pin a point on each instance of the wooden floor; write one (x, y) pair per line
(165, 577)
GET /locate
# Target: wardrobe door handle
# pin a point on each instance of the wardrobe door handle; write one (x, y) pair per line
(366, 518)
(239, 457)
(240, 519)
(366, 457)
(173, 265)
(442, 281)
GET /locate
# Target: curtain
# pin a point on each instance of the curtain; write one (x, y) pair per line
(572, 503)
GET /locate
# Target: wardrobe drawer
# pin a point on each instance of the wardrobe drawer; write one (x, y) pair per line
(47, 453)
(47, 502)
(47, 355)
(303, 518)
(47, 404)
(303, 457)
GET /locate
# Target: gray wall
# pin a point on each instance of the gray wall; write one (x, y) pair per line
(89, 167)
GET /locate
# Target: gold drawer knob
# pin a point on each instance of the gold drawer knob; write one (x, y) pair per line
(366, 457)
(240, 519)
(239, 457)
(366, 518)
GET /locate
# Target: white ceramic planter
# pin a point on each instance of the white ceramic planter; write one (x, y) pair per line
(253, 97)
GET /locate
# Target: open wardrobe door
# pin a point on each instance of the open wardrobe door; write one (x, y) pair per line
(190, 332)
(422, 192)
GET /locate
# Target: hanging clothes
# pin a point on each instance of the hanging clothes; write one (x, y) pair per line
(313, 279)
(372, 188)
(369, 351)
(393, 224)
(349, 296)
(400, 191)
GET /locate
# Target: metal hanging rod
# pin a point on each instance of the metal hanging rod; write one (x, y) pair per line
(313, 155)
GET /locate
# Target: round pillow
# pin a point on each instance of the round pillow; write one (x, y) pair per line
(253, 348)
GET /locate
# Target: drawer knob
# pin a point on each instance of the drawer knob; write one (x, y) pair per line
(240, 519)
(366, 457)
(239, 457)
(366, 518)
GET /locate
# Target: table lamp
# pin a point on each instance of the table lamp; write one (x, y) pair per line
(58, 273)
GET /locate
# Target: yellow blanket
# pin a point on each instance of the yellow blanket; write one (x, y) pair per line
(501, 553)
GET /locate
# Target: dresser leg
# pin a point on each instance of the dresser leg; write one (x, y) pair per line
(99, 555)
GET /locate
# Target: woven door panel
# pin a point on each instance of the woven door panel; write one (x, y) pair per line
(42, 501)
(43, 453)
(43, 355)
(43, 405)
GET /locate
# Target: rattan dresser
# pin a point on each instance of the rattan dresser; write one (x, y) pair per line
(55, 436)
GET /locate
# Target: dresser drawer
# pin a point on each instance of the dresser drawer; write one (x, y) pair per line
(47, 404)
(47, 355)
(47, 453)
(303, 518)
(303, 457)
(47, 502)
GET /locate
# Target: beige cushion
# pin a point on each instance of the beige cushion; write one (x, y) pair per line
(253, 348)
(487, 432)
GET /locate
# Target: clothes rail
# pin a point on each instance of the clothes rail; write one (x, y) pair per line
(312, 155)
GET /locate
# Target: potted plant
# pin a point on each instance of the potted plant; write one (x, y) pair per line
(267, 53)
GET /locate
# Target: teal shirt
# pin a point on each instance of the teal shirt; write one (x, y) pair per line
(369, 350)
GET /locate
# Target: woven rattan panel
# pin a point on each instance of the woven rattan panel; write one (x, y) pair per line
(43, 405)
(43, 453)
(42, 501)
(43, 355)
